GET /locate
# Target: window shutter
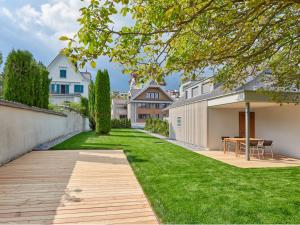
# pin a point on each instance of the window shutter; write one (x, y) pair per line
(58, 88)
(52, 88)
(67, 89)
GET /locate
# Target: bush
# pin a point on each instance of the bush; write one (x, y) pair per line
(102, 103)
(121, 123)
(25, 80)
(157, 126)
(84, 106)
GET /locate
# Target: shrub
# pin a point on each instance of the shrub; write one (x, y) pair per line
(84, 106)
(25, 80)
(120, 123)
(157, 126)
(102, 103)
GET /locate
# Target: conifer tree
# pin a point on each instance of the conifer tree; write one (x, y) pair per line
(25, 80)
(102, 103)
(92, 105)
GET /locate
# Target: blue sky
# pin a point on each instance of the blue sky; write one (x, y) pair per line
(36, 25)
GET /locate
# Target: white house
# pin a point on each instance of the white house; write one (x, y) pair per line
(67, 83)
(205, 113)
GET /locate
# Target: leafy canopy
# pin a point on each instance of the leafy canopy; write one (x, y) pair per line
(236, 38)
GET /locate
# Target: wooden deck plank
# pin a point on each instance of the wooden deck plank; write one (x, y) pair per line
(56, 187)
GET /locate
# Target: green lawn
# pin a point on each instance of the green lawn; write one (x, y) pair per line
(185, 187)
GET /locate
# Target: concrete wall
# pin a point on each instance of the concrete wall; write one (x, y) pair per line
(193, 127)
(22, 128)
(282, 125)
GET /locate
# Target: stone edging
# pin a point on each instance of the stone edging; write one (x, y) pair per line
(35, 109)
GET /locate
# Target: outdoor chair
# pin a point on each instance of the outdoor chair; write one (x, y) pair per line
(267, 146)
(254, 146)
(223, 141)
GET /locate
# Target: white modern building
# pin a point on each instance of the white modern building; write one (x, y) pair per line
(68, 84)
(206, 112)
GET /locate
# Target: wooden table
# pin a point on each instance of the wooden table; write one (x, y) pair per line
(237, 142)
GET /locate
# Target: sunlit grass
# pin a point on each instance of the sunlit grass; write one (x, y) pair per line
(185, 187)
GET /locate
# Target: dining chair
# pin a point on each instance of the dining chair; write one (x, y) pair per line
(258, 147)
(267, 146)
(223, 141)
(254, 146)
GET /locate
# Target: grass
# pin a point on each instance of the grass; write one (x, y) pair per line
(187, 188)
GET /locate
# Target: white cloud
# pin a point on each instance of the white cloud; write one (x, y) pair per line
(49, 21)
(5, 12)
(52, 19)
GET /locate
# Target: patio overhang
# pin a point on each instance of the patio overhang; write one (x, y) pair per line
(256, 98)
(247, 102)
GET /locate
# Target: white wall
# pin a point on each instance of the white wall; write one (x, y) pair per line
(222, 122)
(193, 127)
(60, 99)
(22, 128)
(73, 77)
(282, 125)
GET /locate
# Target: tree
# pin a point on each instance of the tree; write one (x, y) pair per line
(236, 39)
(92, 106)
(84, 106)
(102, 103)
(44, 83)
(25, 80)
(1, 59)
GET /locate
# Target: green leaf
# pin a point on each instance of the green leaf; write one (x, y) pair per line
(93, 64)
(64, 38)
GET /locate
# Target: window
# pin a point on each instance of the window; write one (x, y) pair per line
(186, 94)
(63, 73)
(195, 91)
(152, 95)
(144, 116)
(178, 121)
(123, 116)
(163, 105)
(64, 89)
(78, 88)
(206, 87)
(59, 88)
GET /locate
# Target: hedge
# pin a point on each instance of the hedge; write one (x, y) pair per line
(25, 80)
(121, 123)
(157, 126)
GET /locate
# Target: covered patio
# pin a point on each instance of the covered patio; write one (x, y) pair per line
(266, 162)
(247, 116)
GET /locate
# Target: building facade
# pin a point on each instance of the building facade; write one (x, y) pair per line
(119, 104)
(67, 83)
(147, 102)
(206, 112)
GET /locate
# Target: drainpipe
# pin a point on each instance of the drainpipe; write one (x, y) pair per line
(247, 126)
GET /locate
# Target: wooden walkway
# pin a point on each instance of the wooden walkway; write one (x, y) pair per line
(56, 187)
